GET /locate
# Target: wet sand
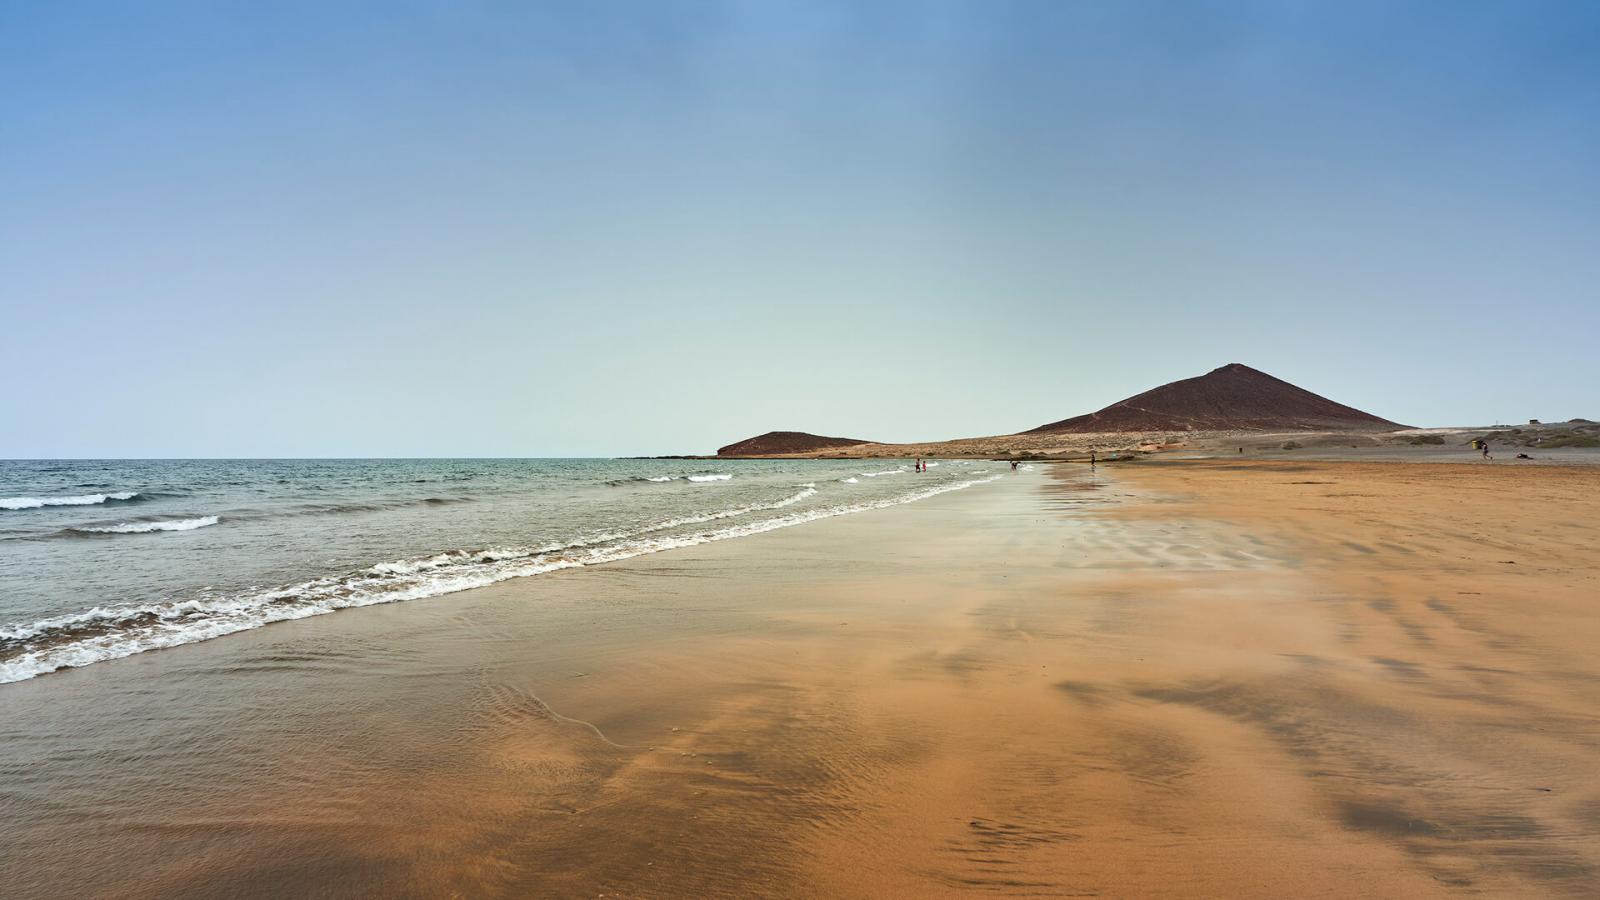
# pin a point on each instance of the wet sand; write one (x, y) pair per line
(1189, 678)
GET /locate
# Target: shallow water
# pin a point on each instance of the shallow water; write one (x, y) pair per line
(103, 559)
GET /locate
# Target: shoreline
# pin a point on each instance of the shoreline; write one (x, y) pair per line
(1176, 677)
(76, 638)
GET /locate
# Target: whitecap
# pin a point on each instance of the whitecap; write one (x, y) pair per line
(709, 477)
(731, 513)
(146, 527)
(81, 500)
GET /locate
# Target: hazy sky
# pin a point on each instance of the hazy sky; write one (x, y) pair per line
(388, 229)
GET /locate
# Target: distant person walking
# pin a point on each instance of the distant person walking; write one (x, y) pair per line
(1485, 446)
(1091, 457)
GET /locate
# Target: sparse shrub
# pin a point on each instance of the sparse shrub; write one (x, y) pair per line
(1569, 440)
(1291, 445)
(1428, 439)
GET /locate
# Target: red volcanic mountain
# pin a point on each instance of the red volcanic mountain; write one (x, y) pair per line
(1232, 398)
(776, 443)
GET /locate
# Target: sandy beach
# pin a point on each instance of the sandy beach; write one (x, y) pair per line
(1171, 678)
(684, 450)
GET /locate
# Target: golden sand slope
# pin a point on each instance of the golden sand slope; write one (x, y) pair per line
(1237, 680)
(1268, 680)
(1243, 680)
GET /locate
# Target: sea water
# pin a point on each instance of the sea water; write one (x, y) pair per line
(102, 559)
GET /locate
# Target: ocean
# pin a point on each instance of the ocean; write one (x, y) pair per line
(101, 559)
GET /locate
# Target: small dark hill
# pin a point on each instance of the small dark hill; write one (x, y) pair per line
(777, 443)
(1232, 398)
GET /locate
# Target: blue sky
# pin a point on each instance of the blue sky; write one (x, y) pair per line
(615, 228)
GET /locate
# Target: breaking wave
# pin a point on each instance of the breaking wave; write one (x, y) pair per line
(810, 491)
(103, 633)
(662, 479)
(15, 503)
(146, 527)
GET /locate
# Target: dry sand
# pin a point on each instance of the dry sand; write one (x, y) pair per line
(1186, 678)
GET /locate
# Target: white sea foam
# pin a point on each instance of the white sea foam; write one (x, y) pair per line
(145, 527)
(111, 633)
(730, 513)
(663, 478)
(886, 472)
(709, 477)
(81, 500)
(810, 491)
(849, 481)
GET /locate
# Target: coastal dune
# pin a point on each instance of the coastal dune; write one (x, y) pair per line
(1164, 679)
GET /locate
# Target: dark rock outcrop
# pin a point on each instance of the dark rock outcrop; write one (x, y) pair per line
(778, 443)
